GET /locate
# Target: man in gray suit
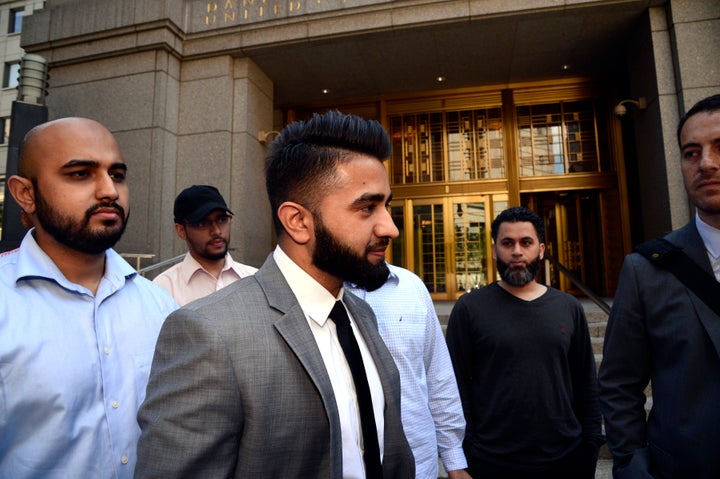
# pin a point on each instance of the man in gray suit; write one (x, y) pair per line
(661, 331)
(251, 381)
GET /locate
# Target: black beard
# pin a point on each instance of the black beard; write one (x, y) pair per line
(519, 277)
(340, 261)
(78, 236)
(215, 257)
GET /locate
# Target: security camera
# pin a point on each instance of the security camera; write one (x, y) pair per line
(620, 110)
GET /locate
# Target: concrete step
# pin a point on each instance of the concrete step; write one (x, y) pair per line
(597, 344)
(597, 330)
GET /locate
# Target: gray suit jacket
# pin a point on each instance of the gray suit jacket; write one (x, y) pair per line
(660, 331)
(238, 389)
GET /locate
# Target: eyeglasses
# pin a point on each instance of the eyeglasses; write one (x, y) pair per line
(206, 224)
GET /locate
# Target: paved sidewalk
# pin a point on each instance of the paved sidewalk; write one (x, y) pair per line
(603, 471)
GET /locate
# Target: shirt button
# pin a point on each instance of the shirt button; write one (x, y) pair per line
(115, 404)
(124, 459)
(106, 350)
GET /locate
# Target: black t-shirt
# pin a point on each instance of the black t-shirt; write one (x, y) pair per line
(526, 374)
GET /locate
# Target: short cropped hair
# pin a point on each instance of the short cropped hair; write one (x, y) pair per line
(706, 105)
(515, 214)
(301, 165)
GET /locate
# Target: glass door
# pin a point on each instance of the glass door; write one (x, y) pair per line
(450, 244)
(430, 245)
(471, 235)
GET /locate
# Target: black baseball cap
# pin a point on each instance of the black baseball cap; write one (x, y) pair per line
(194, 203)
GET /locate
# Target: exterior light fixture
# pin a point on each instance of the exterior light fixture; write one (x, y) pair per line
(32, 79)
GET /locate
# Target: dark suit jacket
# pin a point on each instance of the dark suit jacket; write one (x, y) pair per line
(660, 331)
(238, 388)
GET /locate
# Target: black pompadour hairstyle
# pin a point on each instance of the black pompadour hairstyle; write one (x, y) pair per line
(300, 166)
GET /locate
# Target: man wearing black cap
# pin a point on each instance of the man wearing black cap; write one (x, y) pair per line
(202, 219)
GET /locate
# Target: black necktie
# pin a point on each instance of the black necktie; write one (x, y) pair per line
(373, 468)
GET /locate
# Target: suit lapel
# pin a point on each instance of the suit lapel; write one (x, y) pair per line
(689, 240)
(293, 327)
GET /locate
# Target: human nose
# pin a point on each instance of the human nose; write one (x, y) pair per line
(709, 159)
(386, 226)
(106, 187)
(214, 226)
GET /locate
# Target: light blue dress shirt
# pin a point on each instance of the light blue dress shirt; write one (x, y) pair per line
(432, 413)
(73, 366)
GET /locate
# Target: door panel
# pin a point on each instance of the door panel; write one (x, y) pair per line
(429, 245)
(470, 230)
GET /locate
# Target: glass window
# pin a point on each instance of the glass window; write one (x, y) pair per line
(557, 138)
(417, 142)
(475, 144)
(10, 77)
(4, 130)
(447, 146)
(16, 16)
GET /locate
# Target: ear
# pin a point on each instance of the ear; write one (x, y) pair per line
(297, 221)
(180, 230)
(22, 190)
(494, 253)
(542, 250)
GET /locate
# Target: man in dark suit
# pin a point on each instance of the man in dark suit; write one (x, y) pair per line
(661, 332)
(251, 381)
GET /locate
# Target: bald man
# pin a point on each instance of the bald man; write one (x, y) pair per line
(78, 325)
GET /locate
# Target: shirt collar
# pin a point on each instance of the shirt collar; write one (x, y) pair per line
(315, 301)
(709, 235)
(190, 266)
(33, 262)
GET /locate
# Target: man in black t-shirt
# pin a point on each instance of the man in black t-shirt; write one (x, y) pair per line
(525, 367)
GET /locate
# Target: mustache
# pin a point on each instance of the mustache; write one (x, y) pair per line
(112, 204)
(381, 244)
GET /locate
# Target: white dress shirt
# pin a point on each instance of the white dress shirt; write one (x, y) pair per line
(711, 239)
(317, 302)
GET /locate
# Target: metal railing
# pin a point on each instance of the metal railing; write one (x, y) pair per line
(161, 264)
(577, 282)
(600, 302)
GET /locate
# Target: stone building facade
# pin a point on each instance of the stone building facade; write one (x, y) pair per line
(194, 89)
